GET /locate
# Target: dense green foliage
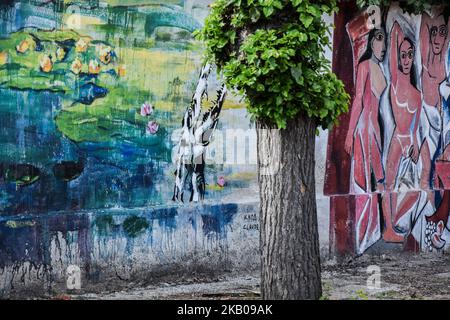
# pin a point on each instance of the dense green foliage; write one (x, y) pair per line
(414, 6)
(273, 53)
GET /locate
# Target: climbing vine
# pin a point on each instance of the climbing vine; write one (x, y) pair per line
(273, 53)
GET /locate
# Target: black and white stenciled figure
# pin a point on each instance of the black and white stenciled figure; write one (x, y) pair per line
(196, 135)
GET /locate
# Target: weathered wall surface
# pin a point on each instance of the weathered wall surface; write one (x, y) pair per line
(96, 100)
(41, 253)
(388, 162)
(94, 107)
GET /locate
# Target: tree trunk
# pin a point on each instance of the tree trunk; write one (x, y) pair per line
(289, 240)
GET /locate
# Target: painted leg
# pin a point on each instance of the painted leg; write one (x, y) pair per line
(389, 202)
(377, 164)
(368, 226)
(389, 205)
(425, 175)
(360, 160)
(404, 208)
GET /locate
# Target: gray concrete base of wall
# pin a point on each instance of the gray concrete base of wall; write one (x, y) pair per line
(113, 248)
(40, 253)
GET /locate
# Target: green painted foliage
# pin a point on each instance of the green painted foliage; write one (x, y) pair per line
(273, 53)
(134, 226)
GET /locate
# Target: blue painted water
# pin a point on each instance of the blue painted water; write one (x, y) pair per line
(73, 176)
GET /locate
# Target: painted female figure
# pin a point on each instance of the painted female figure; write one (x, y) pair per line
(363, 141)
(364, 138)
(404, 147)
(434, 46)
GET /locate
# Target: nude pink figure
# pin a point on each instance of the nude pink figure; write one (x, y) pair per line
(363, 141)
(406, 105)
(433, 46)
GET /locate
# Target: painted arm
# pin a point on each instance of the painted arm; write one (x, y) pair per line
(200, 92)
(396, 33)
(204, 132)
(357, 106)
(416, 150)
(425, 38)
(444, 88)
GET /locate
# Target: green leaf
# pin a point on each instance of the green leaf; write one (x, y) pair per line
(297, 72)
(323, 113)
(260, 87)
(306, 20)
(313, 11)
(267, 11)
(255, 14)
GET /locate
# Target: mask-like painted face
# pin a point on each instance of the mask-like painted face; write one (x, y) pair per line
(379, 45)
(438, 35)
(406, 57)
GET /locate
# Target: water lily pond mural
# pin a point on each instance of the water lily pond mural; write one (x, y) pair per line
(94, 101)
(94, 97)
(91, 93)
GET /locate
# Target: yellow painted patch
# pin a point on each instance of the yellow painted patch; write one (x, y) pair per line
(3, 57)
(214, 187)
(154, 70)
(19, 224)
(229, 104)
(242, 176)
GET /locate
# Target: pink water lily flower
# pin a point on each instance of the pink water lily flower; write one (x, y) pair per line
(152, 127)
(221, 181)
(146, 109)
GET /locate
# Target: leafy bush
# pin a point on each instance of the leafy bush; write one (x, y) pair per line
(273, 53)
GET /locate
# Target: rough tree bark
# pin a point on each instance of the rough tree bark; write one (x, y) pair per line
(289, 240)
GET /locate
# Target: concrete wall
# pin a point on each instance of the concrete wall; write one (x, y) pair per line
(88, 156)
(90, 131)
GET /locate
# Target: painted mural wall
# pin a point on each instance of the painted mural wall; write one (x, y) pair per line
(95, 99)
(389, 179)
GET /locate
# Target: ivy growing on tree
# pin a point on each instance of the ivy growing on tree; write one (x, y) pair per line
(273, 53)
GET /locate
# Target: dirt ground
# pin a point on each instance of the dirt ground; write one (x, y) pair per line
(403, 276)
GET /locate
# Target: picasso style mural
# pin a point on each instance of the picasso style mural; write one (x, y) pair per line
(398, 136)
